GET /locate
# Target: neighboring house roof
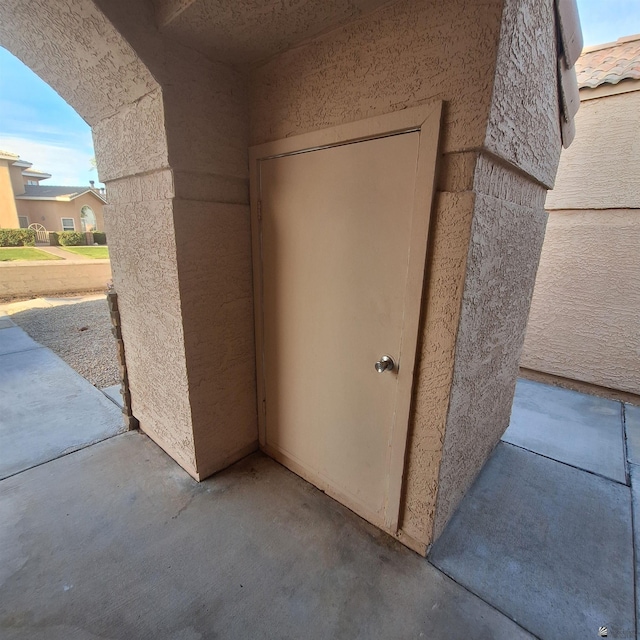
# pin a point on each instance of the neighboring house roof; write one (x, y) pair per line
(34, 173)
(37, 192)
(7, 155)
(609, 63)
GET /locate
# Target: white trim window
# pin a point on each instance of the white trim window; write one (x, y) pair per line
(68, 224)
(23, 221)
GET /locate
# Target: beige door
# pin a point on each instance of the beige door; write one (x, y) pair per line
(336, 236)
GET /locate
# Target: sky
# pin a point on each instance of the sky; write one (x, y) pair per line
(39, 126)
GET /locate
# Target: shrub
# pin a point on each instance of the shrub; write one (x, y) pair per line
(17, 237)
(71, 238)
(100, 237)
(54, 241)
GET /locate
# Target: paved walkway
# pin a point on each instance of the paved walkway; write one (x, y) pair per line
(545, 535)
(46, 409)
(62, 253)
(116, 541)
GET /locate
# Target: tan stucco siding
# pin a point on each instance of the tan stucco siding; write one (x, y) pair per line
(8, 213)
(17, 180)
(600, 169)
(584, 320)
(49, 213)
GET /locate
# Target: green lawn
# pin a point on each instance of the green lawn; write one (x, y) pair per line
(99, 253)
(24, 253)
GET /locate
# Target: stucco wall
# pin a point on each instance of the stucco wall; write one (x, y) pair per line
(17, 180)
(584, 321)
(510, 180)
(8, 214)
(49, 213)
(406, 54)
(32, 278)
(600, 169)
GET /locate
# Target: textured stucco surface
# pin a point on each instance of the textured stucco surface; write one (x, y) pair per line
(600, 169)
(250, 30)
(586, 306)
(524, 124)
(21, 279)
(402, 55)
(446, 264)
(72, 46)
(216, 289)
(145, 274)
(506, 239)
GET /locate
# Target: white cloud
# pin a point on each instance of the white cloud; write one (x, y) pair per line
(67, 165)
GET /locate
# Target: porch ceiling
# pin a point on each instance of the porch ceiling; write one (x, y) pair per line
(247, 31)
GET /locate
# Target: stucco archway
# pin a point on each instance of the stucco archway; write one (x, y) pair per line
(177, 219)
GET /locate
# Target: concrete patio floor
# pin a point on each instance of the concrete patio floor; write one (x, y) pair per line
(116, 541)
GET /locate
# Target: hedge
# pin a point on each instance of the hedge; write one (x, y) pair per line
(71, 238)
(17, 237)
(100, 237)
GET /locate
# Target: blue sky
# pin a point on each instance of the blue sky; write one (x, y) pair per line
(37, 124)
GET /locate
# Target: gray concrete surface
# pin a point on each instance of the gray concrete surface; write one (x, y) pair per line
(575, 428)
(113, 393)
(116, 541)
(46, 408)
(13, 340)
(5, 321)
(547, 544)
(632, 427)
(634, 472)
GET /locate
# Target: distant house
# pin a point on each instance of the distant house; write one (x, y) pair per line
(24, 201)
(585, 315)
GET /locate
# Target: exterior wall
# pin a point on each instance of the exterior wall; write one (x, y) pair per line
(600, 170)
(585, 310)
(17, 180)
(8, 213)
(19, 279)
(406, 54)
(49, 213)
(519, 164)
(584, 316)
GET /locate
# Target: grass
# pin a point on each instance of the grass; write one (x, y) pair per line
(24, 253)
(99, 253)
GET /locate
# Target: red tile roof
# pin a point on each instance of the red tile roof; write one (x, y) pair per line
(609, 63)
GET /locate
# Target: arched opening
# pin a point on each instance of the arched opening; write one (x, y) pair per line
(88, 219)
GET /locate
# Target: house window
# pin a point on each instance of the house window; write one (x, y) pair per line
(33, 182)
(24, 222)
(68, 224)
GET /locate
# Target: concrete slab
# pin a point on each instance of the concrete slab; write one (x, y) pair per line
(632, 427)
(575, 428)
(634, 472)
(117, 542)
(113, 393)
(47, 410)
(14, 340)
(6, 322)
(547, 544)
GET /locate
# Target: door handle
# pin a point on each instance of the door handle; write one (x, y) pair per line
(385, 363)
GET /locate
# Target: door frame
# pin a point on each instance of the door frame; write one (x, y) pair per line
(426, 120)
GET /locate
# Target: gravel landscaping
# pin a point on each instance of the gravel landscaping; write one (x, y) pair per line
(80, 333)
